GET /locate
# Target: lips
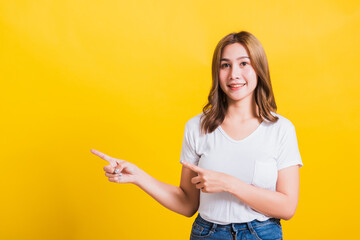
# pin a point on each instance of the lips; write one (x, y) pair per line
(236, 86)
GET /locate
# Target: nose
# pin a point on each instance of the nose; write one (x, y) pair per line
(235, 72)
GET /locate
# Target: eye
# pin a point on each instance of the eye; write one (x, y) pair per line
(243, 64)
(225, 65)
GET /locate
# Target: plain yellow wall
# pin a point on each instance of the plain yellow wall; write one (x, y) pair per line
(123, 77)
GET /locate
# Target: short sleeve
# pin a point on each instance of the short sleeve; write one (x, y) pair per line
(288, 151)
(188, 149)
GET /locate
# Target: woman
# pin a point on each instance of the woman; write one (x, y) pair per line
(240, 159)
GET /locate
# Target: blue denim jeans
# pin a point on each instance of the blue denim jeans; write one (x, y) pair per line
(255, 230)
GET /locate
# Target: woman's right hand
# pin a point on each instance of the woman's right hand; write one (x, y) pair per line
(119, 171)
(183, 200)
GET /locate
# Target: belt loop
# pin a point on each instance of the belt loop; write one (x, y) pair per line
(213, 227)
(234, 231)
(251, 229)
(233, 228)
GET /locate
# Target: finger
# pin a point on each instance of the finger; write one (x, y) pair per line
(192, 167)
(105, 157)
(196, 180)
(122, 165)
(115, 180)
(109, 169)
(118, 169)
(113, 170)
(112, 175)
(199, 186)
(120, 179)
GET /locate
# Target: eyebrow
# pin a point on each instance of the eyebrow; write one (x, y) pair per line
(225, 59)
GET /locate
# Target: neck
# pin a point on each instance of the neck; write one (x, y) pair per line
(242, 110)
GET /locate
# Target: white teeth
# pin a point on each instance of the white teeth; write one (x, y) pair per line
(238, 85)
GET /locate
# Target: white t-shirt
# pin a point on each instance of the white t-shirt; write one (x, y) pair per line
(255, 160)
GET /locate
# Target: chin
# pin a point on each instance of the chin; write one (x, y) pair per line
(239, 98)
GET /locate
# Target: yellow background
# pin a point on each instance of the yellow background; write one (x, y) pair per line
(123, 77)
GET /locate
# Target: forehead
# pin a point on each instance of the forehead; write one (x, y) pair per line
(233, 51)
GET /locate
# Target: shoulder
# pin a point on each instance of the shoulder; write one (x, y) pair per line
(193, 125)
(194, 122)
(282, 123)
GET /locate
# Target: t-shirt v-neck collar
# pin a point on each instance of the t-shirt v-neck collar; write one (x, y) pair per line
(244, 139)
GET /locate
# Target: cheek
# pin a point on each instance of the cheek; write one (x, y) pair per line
(222, 75)
(222, 78)
(249, 72)
(250, 75)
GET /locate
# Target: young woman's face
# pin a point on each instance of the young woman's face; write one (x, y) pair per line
(237, 77)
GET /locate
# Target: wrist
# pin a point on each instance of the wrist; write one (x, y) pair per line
(230, 184)
(140, 179)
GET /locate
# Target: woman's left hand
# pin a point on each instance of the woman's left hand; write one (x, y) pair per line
(209, 181)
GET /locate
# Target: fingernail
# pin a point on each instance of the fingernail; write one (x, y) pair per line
(120, 174)
(116, 170)
(181, 161)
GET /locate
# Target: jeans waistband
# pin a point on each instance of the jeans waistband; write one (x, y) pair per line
(236, 226)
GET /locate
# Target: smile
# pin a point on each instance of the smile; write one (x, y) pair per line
(236, 86)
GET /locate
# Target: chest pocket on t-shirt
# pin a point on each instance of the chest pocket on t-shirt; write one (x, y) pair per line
(265, 174)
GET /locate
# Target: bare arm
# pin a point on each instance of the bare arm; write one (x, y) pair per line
(281, 203)
(183, 199)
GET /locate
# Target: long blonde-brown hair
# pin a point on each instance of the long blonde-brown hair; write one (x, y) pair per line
(214, 111)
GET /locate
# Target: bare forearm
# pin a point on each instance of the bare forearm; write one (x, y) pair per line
(270, 203)
(170, 196)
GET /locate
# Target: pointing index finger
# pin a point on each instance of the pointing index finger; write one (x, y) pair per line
(192, 167)
(104, 156)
